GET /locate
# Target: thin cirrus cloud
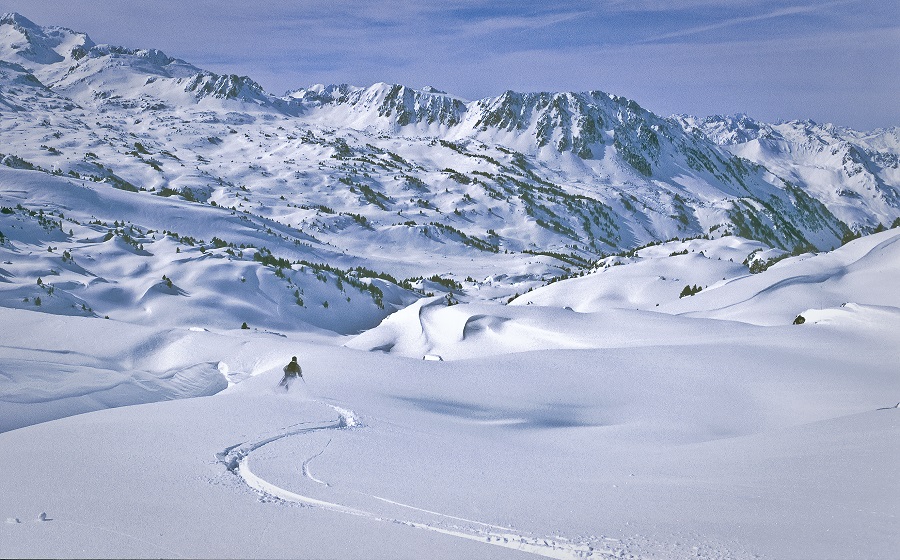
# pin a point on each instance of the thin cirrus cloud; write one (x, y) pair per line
(835, 61)
(792, 77)
(737, 21)
(500, 24)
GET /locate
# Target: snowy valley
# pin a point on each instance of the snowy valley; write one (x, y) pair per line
(539, 324)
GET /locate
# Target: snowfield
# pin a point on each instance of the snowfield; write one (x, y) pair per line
(538, 325)
(544, 431)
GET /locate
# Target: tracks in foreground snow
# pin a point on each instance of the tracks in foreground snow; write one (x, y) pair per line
(237, 459)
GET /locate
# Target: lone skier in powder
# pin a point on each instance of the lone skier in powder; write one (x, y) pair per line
(291, 371)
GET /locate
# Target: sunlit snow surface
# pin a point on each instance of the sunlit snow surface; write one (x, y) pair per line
(709, 427)
(143, 332)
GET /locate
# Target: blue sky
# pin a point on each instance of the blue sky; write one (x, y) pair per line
(835, 61)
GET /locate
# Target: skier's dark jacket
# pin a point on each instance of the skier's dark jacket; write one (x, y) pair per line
(293, 369)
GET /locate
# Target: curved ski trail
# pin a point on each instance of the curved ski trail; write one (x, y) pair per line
(237, 460)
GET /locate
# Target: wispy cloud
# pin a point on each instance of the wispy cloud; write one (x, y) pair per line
(850, 78)
(672, 5)
(730, 22)
(831, 60)
(492, 25)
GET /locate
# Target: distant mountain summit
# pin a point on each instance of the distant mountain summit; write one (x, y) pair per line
(389, 106)
(24, 40)
(856, 174)
(72, 64)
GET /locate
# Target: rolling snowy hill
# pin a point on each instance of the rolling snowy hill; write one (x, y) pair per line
(545, 431)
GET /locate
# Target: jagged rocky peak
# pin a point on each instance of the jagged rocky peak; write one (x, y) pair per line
(725, 130)
(321, 93)
(516, 110)
(400, 105)
(153, 56)
(580, 123)
(62, 58)
(23, 39)
(408, 106)
(853, 173)
(19, 22)
(568, 122)
(740, 128)
(231, 86)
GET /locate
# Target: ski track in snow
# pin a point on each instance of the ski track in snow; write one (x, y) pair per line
(237, 459)
(306, 463)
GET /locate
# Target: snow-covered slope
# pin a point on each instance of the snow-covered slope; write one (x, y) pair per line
(393, 107)
(627, 301)
(855, 174)
(622, 434)
(631, 349)
(93, 250)
(859, 272)
(27, 43)
(570, 175)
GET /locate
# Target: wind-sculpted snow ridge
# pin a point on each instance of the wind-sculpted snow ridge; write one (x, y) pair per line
(236, 459)
(44, 377)
(693, 280)
(655, 279)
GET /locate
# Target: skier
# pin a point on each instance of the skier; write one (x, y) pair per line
(291, 371)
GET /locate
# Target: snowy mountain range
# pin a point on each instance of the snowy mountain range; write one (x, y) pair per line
(591, 171)
(540, 324)
(507, 192)
(855, 174)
